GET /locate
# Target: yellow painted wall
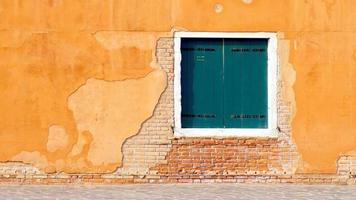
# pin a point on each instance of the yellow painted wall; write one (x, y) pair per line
(60, 57)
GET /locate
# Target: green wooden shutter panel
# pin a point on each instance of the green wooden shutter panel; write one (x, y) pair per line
(201, 82)
(245, 83)
(224, 83)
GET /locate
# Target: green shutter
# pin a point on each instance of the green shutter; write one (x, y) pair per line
(201, 81)
(245, 83)
(224, 83)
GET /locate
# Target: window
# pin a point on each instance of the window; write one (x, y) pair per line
(225, 84)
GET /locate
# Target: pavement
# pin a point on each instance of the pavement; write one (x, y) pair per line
(179, 191)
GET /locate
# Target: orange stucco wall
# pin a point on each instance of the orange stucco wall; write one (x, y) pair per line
(58, 58)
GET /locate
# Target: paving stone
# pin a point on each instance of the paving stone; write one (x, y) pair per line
(178, 192)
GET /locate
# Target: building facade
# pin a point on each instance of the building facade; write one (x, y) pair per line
(166, 91)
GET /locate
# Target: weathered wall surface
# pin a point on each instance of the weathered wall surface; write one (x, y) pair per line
(76, 83)
(79, 78)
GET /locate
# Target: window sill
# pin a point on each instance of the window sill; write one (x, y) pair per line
(217, 132)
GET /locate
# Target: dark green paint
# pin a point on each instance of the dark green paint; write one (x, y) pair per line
(245, 83)
(224, 83)
(201, 81)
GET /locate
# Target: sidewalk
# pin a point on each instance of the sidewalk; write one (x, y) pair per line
(180, 191)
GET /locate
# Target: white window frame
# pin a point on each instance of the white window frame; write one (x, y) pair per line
(272, 65)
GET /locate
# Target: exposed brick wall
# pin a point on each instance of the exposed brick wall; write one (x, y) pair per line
(221, 156)
(17, 168)
(346, 165)
(150, 146)
(226, 156)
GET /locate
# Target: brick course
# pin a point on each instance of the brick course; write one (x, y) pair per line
(118, 179)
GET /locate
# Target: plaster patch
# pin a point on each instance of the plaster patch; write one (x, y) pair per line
(123, 44)
(218, 8)
(113, 111)
(84, 138)
(247, 1)
(35, 158)
(57, 138)
(287, 73)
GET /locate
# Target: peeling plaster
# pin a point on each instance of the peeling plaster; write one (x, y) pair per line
(106, 114)
(83, 142)
(35, 158)
(57, 138)
(287, 78)
(287, 74)
(113, 111)
(72, 58)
